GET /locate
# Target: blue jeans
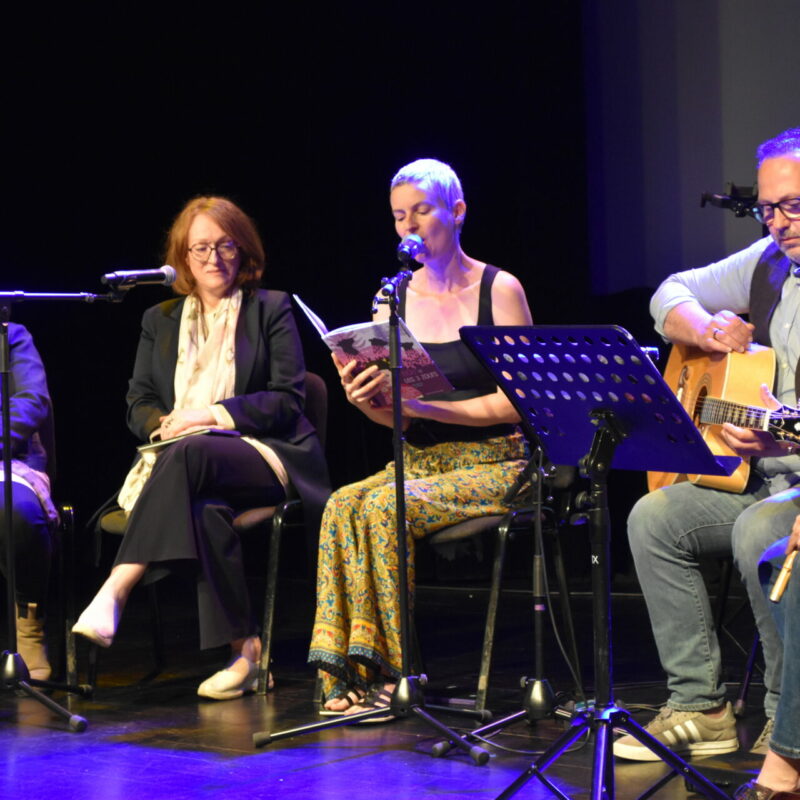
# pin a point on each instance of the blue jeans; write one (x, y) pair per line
(786, 734)
(669, 531)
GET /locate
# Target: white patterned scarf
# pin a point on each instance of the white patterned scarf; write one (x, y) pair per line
(204, 374)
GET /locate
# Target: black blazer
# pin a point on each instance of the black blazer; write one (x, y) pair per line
(269, 387)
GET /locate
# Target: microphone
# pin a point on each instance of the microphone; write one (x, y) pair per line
(412, 245)
(125, 278)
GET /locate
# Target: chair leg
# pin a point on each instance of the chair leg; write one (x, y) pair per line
(491, 616)
(67, 562)
(725, 575)
(318, 698)
(417, 661)
(91, 675)
(744, 688)
(269, 606)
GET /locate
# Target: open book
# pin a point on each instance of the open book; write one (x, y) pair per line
(368, 343)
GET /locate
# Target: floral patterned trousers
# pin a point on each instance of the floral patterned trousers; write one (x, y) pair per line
(356, 637)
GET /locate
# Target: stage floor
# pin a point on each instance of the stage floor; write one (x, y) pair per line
(157, 739)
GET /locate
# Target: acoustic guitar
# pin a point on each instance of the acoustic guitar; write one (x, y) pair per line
(715, 388)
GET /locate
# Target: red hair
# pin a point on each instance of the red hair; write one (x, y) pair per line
(234, 222)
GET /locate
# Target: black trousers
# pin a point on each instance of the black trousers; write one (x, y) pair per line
(185, 515)
(33, 545)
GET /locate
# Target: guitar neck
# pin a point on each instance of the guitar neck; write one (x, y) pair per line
(716, 411)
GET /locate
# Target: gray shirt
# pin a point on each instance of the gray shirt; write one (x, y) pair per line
(726, 285)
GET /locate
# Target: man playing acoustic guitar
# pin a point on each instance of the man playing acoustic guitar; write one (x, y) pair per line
(672, 528)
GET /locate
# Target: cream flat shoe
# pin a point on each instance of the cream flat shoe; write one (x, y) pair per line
(84, 628)
(228, 685)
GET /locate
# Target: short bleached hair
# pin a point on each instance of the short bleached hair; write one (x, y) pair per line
(431, 176)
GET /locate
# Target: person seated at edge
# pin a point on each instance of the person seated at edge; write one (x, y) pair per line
(779, 776)
(672, 528)
(226, 355)
(462, 450)
(33, 515)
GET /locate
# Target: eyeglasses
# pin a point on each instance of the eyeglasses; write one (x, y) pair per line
(764, 212)
(227, 251)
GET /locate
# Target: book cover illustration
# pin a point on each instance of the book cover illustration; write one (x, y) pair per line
(368, 344)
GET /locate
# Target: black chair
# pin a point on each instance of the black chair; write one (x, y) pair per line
(518, 521)
(67, 606)
(287, 514)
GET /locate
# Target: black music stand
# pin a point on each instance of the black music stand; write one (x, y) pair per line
(592, 396)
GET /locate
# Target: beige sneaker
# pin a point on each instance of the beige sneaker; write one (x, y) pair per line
(761, 746)
(690, 733)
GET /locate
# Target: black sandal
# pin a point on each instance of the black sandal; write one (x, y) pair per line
(353, 696)
(755, 791)
(378, 697)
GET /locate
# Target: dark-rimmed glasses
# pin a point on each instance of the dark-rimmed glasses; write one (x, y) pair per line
(764, 212)
(227, 251)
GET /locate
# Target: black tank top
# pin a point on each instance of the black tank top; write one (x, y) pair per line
(467, 375)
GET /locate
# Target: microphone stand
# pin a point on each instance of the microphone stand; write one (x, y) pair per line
(408, 696)
(14, 674)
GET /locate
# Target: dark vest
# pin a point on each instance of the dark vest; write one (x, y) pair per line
(765, 291)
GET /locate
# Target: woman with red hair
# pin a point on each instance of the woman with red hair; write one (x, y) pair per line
(225, 355)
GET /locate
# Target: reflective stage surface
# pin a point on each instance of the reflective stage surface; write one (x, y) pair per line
(157, 739)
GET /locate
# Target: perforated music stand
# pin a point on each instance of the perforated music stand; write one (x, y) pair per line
(593, 397)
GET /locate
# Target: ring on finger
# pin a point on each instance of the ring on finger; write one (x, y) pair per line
(716, 331)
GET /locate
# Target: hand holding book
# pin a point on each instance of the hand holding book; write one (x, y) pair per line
(367, 344)
(361, 386)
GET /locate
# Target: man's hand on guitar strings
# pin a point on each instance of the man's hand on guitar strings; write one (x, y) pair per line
(726, 332)
(749, 442)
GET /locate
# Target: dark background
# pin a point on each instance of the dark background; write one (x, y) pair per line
(113, 122)
(583, 133)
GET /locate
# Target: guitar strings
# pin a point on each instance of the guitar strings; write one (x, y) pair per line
(716, 411)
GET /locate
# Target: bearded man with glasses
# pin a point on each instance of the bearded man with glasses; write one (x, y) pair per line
(672, 528)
